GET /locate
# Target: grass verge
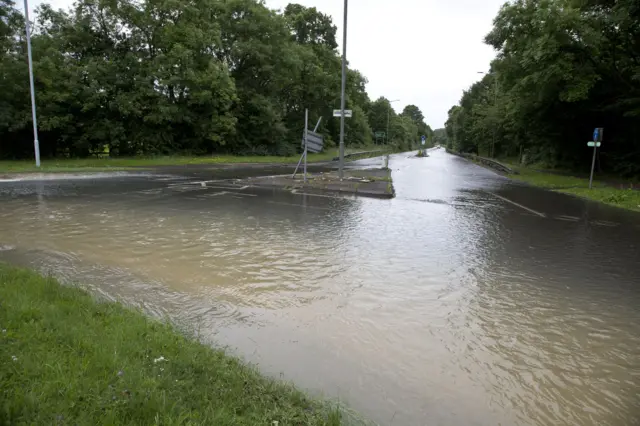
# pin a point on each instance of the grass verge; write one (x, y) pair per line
(68, 359)
(625, 198)
(115, 164)
(601, 192)
(73, 165)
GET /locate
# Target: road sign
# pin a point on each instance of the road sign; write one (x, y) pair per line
(347, 113)
(315, 142)
(424, 140)
(597, 134)
(597, 139)
(379, 134)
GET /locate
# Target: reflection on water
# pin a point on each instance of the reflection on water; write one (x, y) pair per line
(442, 306)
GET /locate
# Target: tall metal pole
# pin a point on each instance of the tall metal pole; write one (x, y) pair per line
(388, 117)
(593, 163)
(306, 141)
(495, 115)
(344, 86)
(36, 143)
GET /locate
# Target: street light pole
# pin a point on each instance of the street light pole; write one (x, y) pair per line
(344, 86)
(389, 117)
(36, 143)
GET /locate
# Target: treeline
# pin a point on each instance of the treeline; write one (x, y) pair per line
(564, 67)
(151, 77)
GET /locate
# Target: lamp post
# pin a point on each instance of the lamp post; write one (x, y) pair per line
(495, 102)
(344, 85)
(389, 117)
(36, 143)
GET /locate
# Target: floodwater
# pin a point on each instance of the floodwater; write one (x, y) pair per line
(466, 300)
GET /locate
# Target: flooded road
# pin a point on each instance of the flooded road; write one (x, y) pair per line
(466, 300)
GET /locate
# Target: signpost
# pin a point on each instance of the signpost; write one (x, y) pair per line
(422, 152)
(596, 143)
(311, 142)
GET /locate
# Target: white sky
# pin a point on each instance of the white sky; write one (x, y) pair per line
(422, 52)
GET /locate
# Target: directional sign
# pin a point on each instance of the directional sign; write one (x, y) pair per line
(347, 113)
(315, 142)
(597, 134)
(596, 144)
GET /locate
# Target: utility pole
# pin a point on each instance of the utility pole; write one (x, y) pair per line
(389, 118)
(495, 107)
(36, 143)
(344, 86)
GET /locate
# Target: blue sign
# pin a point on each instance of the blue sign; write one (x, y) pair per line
(424, 139)
(596, 135)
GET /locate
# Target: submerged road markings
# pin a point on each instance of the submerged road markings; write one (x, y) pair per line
(241, 193)
(295, 191)
(235, 194)
(298, 205)
(519, 205)
(568, 218)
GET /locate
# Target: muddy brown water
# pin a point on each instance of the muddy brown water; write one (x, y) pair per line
(467, 300)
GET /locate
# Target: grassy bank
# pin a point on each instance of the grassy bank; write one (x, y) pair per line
(602, 192)
(67, 359)
(115, 164)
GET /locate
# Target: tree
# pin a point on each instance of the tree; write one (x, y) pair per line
(308, 26)
(147, 77)
(415, 115)
(563, 67)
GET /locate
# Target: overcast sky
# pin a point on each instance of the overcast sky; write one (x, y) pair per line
(422, 52)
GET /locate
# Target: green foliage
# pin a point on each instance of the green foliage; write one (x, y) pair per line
(67, 359)
(440, 137)
(422, 129)
(563, 68)
(159, 77)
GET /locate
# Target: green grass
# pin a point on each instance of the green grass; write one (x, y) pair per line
(550, 180)
(111, 164)
(67, 359)
(625, 198)
(116, 164)
(601, 192)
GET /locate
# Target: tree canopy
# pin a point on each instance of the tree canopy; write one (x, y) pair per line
(564, 67)
(148, 77)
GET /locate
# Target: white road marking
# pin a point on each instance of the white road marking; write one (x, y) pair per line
(241, 193)
(206, 184)
(604, 223)
(568, 218)
(213, 194)
(237, 188)
(298, 205)
(234, 194)
(518, 205)
(295, 191)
